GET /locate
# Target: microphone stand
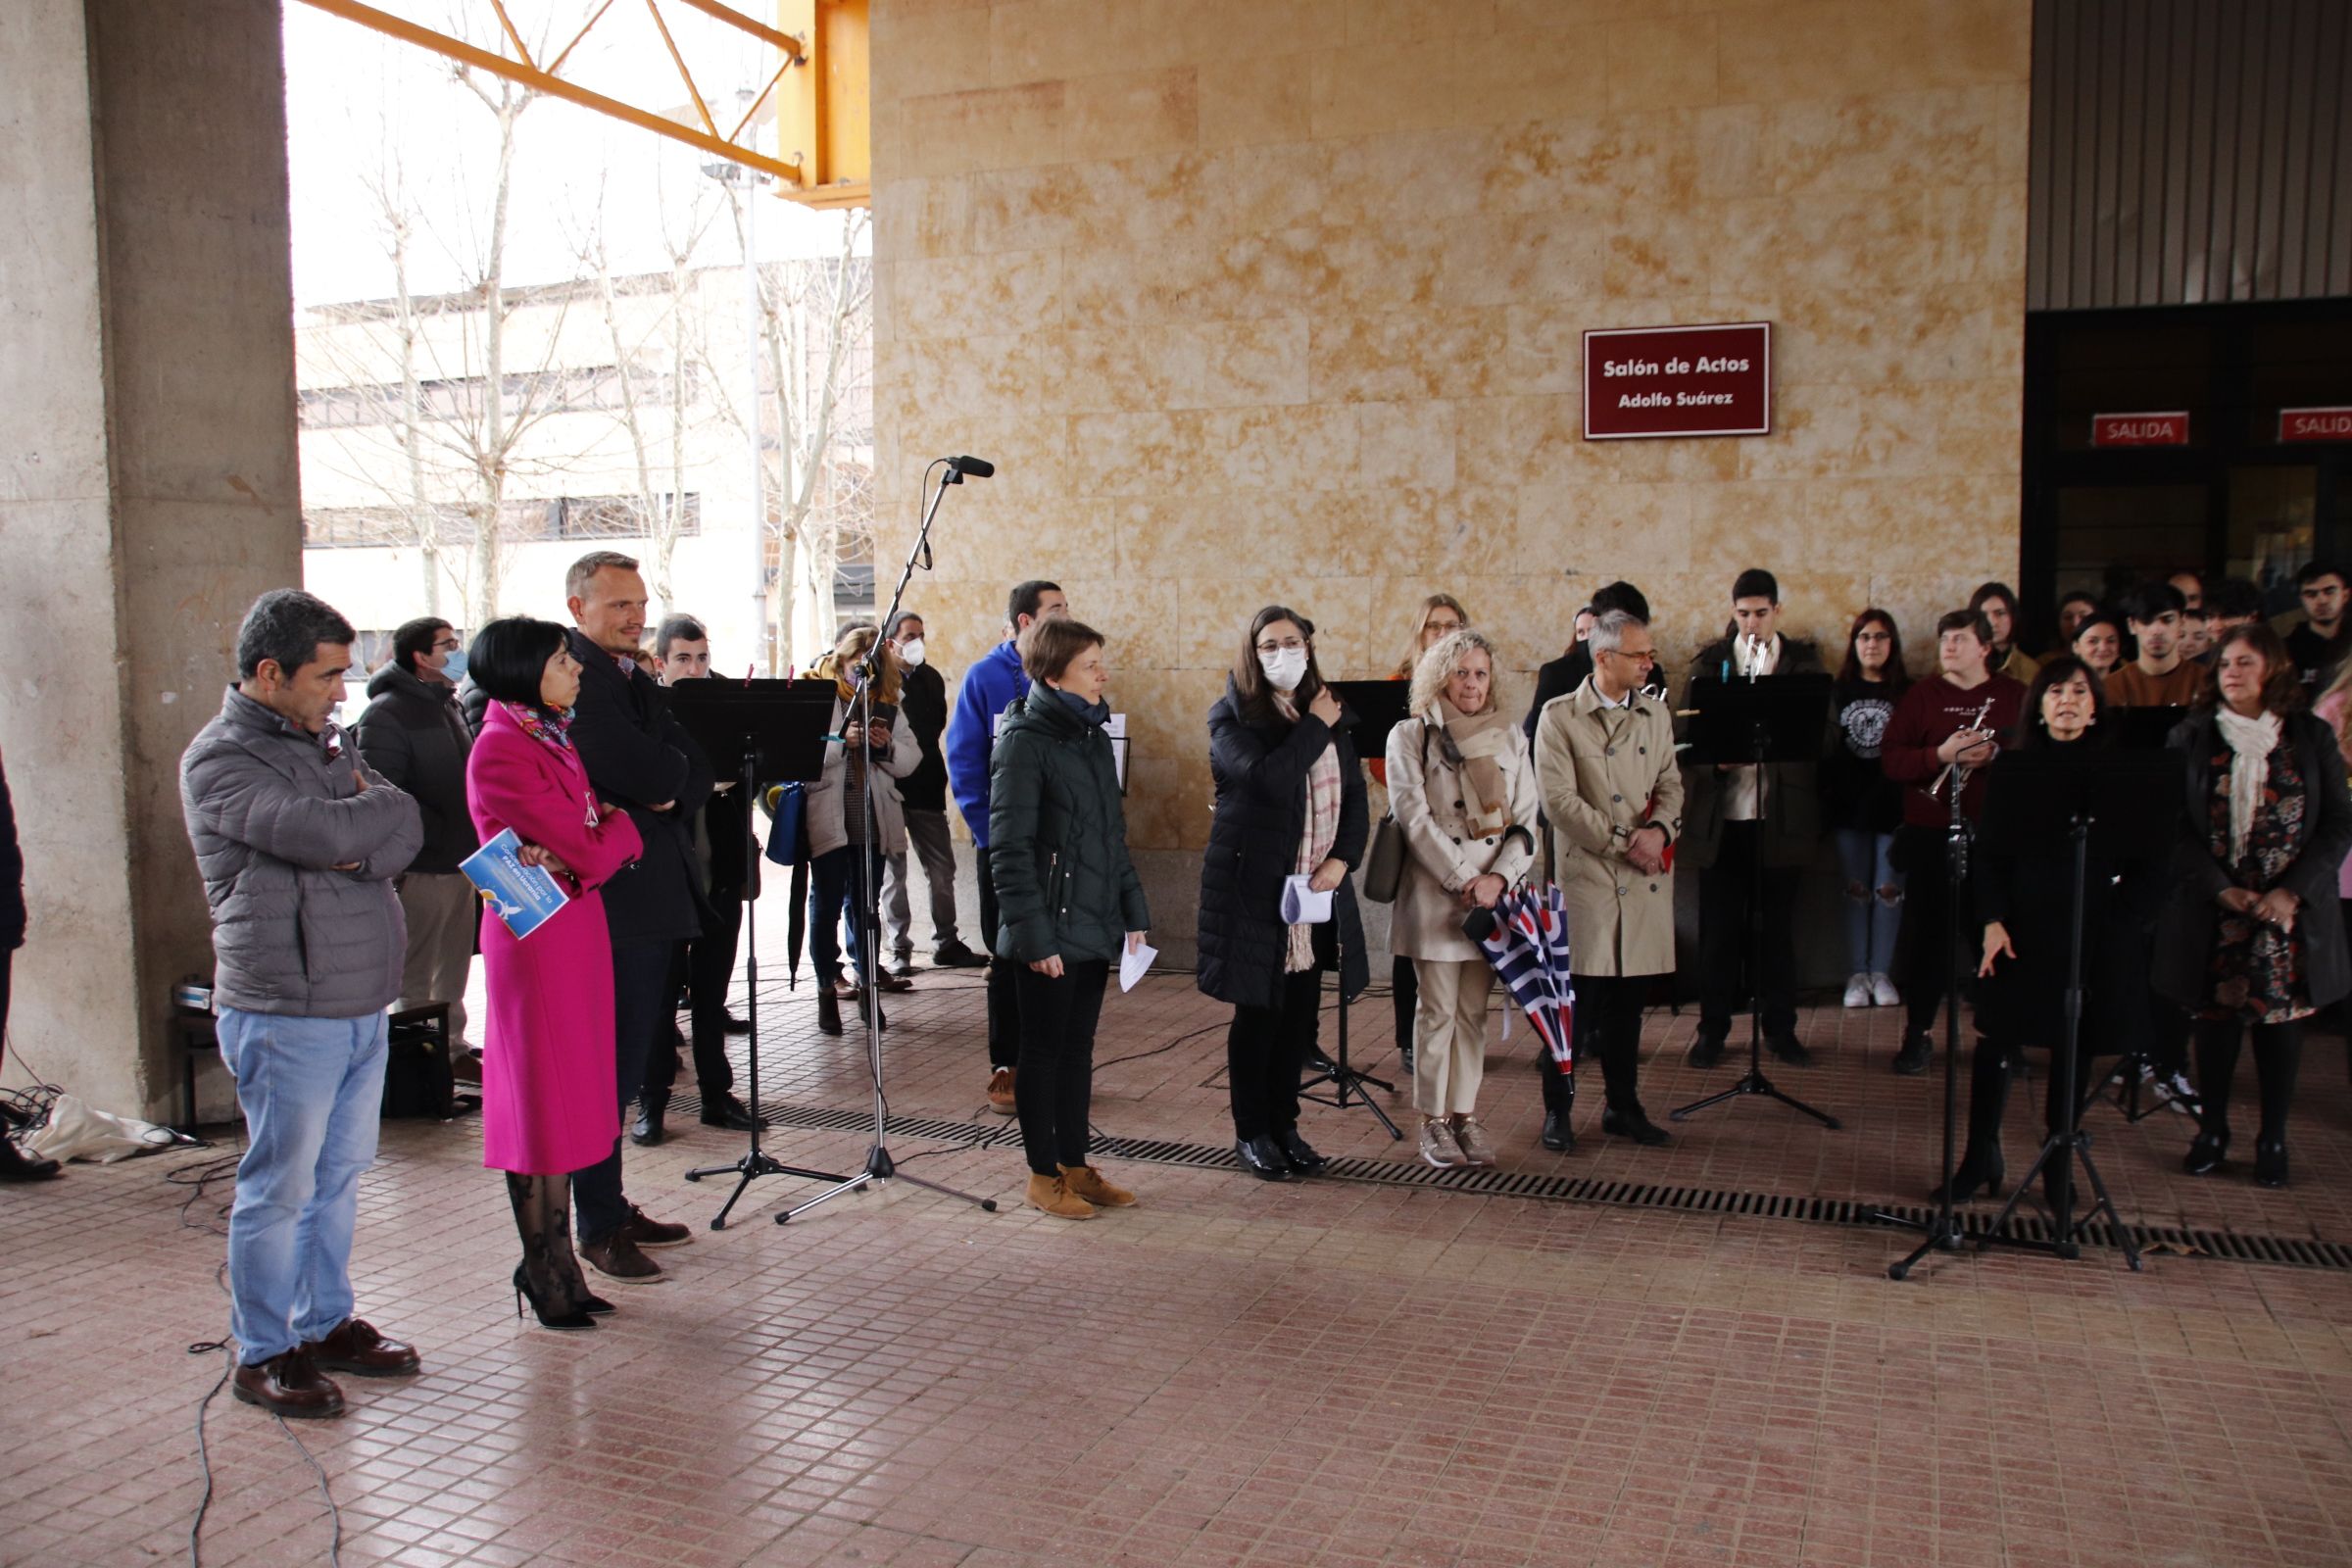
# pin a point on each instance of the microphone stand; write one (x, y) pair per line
(879, 1165)
(1942, 1228)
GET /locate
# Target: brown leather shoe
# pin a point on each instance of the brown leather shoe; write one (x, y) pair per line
(1090, 1184)
(616, 1257)
(290, 1385)
(646, 1231)
(354, 1346)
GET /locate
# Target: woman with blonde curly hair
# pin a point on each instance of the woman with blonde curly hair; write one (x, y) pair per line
(1462, 787)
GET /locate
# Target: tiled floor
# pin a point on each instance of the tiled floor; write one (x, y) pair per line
(1333, 1373)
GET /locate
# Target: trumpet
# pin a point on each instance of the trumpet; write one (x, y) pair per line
(1954, 766)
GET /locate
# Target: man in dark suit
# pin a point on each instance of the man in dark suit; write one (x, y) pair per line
(640, 758)
(682, 652)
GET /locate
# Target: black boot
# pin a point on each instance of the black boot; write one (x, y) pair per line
(1560, 1101)
(1404, 997)
(2217, 1065)
(1980, 1166)
(865, 1000)
(651, 1104)
(828, 1010)
(2278, 1055)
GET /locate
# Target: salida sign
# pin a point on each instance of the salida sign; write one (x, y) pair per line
(1678, 380)
(2168, 429)
(2315, 424)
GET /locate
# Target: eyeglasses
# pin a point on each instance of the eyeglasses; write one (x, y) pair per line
(1442, 626)
(1284, 646)
(1872, 637)
(1639, 656)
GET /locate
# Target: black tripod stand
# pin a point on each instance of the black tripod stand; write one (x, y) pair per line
(2039, 799)
(1755, 722)
(777, 735)
(1343, 1078)
(879, 1165)
(1942, 1228)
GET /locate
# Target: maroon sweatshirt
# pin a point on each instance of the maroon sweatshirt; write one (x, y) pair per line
(1929, 714)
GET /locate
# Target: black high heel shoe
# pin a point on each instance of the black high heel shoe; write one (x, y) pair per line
(1974, 1174)
(569, 1318)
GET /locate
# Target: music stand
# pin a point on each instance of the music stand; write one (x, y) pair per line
(2047, 803)
(775, 732)
(1379, 707)
(1779, 718)
(2142, 729)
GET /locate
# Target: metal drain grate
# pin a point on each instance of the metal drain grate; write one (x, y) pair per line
(2232, 1246)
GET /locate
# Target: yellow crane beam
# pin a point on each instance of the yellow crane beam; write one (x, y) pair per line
(828, 119)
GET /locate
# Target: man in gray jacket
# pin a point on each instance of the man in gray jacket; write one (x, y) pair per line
(298, 843)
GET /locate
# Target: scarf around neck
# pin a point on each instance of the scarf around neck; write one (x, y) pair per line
(1476, 744)
(2251, 741)
(1323, 789)
(553, 731)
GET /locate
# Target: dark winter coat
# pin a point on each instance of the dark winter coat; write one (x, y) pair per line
(474, 703)
(1057, 837)
(12, 874)
(413, 735)
(272, 811)
(2184, 932)
(923, 708)
(639, 755)
(1791, 803)
(2031, 891)
(1259, 770)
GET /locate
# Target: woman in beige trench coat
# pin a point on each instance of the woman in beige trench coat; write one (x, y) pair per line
(1464, 793)
(1604, 761)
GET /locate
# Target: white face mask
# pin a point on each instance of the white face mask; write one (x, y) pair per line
(1285, 669)
(910, 653)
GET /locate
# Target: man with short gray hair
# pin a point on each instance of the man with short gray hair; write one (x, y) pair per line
(298, 841)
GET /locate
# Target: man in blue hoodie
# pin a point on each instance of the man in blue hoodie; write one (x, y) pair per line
(989, 687)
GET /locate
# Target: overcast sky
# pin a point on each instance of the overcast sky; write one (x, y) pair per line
(363, 109)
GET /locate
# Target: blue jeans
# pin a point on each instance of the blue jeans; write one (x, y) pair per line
(838, 883)
(311, 1090)
(1871, 919)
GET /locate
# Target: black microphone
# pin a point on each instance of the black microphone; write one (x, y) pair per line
(977, 468)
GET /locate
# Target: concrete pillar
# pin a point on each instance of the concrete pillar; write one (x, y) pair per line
(147, 485)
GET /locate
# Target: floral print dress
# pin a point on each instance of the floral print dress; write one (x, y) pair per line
(2257, 971)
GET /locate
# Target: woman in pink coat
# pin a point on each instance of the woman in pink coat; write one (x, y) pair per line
(547, 1054)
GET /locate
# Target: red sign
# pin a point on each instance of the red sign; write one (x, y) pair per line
(2315, 424)
(2139, 429)
(1678, 380)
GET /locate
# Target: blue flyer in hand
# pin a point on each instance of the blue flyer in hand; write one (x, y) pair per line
(525, 897)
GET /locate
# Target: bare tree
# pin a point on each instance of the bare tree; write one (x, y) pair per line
(815, 422)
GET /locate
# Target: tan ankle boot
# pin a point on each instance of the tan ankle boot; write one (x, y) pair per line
(1052, 1194)
(1088, 1183)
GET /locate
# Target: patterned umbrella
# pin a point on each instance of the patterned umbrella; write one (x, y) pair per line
(1527, 946)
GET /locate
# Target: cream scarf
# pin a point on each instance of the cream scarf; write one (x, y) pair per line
(1483, 744)
(2251, 741)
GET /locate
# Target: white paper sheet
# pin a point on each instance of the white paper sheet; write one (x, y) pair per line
(1132, 964)
(1302, 904)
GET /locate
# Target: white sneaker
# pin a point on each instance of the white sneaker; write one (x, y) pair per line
(1883, 993)
(1857, 991)
(2174, 1091)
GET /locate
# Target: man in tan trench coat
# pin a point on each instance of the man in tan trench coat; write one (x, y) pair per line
(1605, 758)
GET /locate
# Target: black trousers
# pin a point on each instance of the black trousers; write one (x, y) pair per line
(1927, 937)
(643, 996)
(1003, 985)
(1726, 939)
(1404, 996)
(1055, 1084)
(706, 966)
(2277, 1057)
(1265, 1050)
(1608, 1029)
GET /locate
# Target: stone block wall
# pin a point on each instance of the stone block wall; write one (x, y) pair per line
(1261, 301)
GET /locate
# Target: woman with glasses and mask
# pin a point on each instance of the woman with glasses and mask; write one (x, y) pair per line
(1289, 802)
(1440, 615)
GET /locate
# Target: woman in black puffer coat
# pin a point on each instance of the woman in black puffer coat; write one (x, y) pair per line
(1279, 748)
(1069, 901)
